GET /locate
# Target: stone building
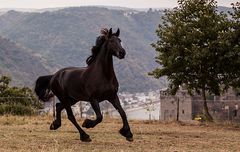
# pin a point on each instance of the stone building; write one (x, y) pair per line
(178, 107)
(225, 107)
(185, 107)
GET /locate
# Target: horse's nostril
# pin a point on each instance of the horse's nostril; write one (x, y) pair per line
(122, 54)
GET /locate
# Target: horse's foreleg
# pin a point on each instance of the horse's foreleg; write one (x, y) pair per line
(57, 122)
(92, 123)
(83, 135)
(125, 130)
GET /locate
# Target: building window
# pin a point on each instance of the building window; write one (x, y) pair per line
(235, 113)
(183, 111)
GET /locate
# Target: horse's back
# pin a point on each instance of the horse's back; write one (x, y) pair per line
(64, 77)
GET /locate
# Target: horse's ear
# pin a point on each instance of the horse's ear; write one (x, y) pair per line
(110, 33)
(118, 32)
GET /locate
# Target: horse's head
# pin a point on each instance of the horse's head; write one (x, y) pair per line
(114, 44)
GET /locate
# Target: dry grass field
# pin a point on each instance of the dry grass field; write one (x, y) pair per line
(32, 134)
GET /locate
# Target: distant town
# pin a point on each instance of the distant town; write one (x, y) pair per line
(159, 105)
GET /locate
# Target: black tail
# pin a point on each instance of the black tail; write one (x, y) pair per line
(42, 88)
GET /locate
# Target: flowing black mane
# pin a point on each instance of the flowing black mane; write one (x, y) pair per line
(95, 52)
(95, 83)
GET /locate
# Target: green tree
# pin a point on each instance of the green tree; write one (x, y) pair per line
(232, 40)
(16, 100)
(190, 49)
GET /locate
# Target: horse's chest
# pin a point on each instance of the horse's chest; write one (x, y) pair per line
(105, 88)
(104, 91)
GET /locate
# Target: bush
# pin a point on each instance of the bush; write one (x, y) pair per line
(17, 100)
(16, 109)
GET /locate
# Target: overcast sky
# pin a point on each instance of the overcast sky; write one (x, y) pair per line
(123, 3)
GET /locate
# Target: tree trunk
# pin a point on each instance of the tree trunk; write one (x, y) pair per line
(177, 109)
(206, 113)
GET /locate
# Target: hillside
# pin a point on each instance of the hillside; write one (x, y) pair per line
(64, 38)
(18, 63)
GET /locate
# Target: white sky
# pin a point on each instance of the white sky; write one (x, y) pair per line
(123, 3)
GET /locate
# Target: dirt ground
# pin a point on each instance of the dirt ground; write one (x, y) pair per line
(32, 134)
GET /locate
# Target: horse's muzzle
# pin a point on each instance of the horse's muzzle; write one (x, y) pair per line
(121, 54)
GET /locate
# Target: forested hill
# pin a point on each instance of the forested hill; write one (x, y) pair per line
(64, 37)
(17, 62)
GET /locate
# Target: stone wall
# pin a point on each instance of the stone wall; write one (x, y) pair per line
(172, 107)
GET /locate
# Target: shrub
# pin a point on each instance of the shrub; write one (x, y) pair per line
(16, 100)
(16, 109)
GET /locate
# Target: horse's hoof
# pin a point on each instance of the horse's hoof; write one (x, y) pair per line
(54, 126)
(130, 139)
(127, 134)
(85, 138)
(84, 124)
(88, 123)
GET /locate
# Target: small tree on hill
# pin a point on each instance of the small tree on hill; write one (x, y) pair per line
(190, 49)
(4, 82)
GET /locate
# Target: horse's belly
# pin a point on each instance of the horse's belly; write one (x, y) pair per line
(91, 91)
(104, 94)
(78, 95)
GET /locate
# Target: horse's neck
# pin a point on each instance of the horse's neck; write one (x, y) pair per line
(104, 61)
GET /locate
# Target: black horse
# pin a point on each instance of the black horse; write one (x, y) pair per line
(94, 83)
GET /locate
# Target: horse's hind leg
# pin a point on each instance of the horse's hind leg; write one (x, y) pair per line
(92, 123)
(125, 130)
(83, 135)
(57, 122)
